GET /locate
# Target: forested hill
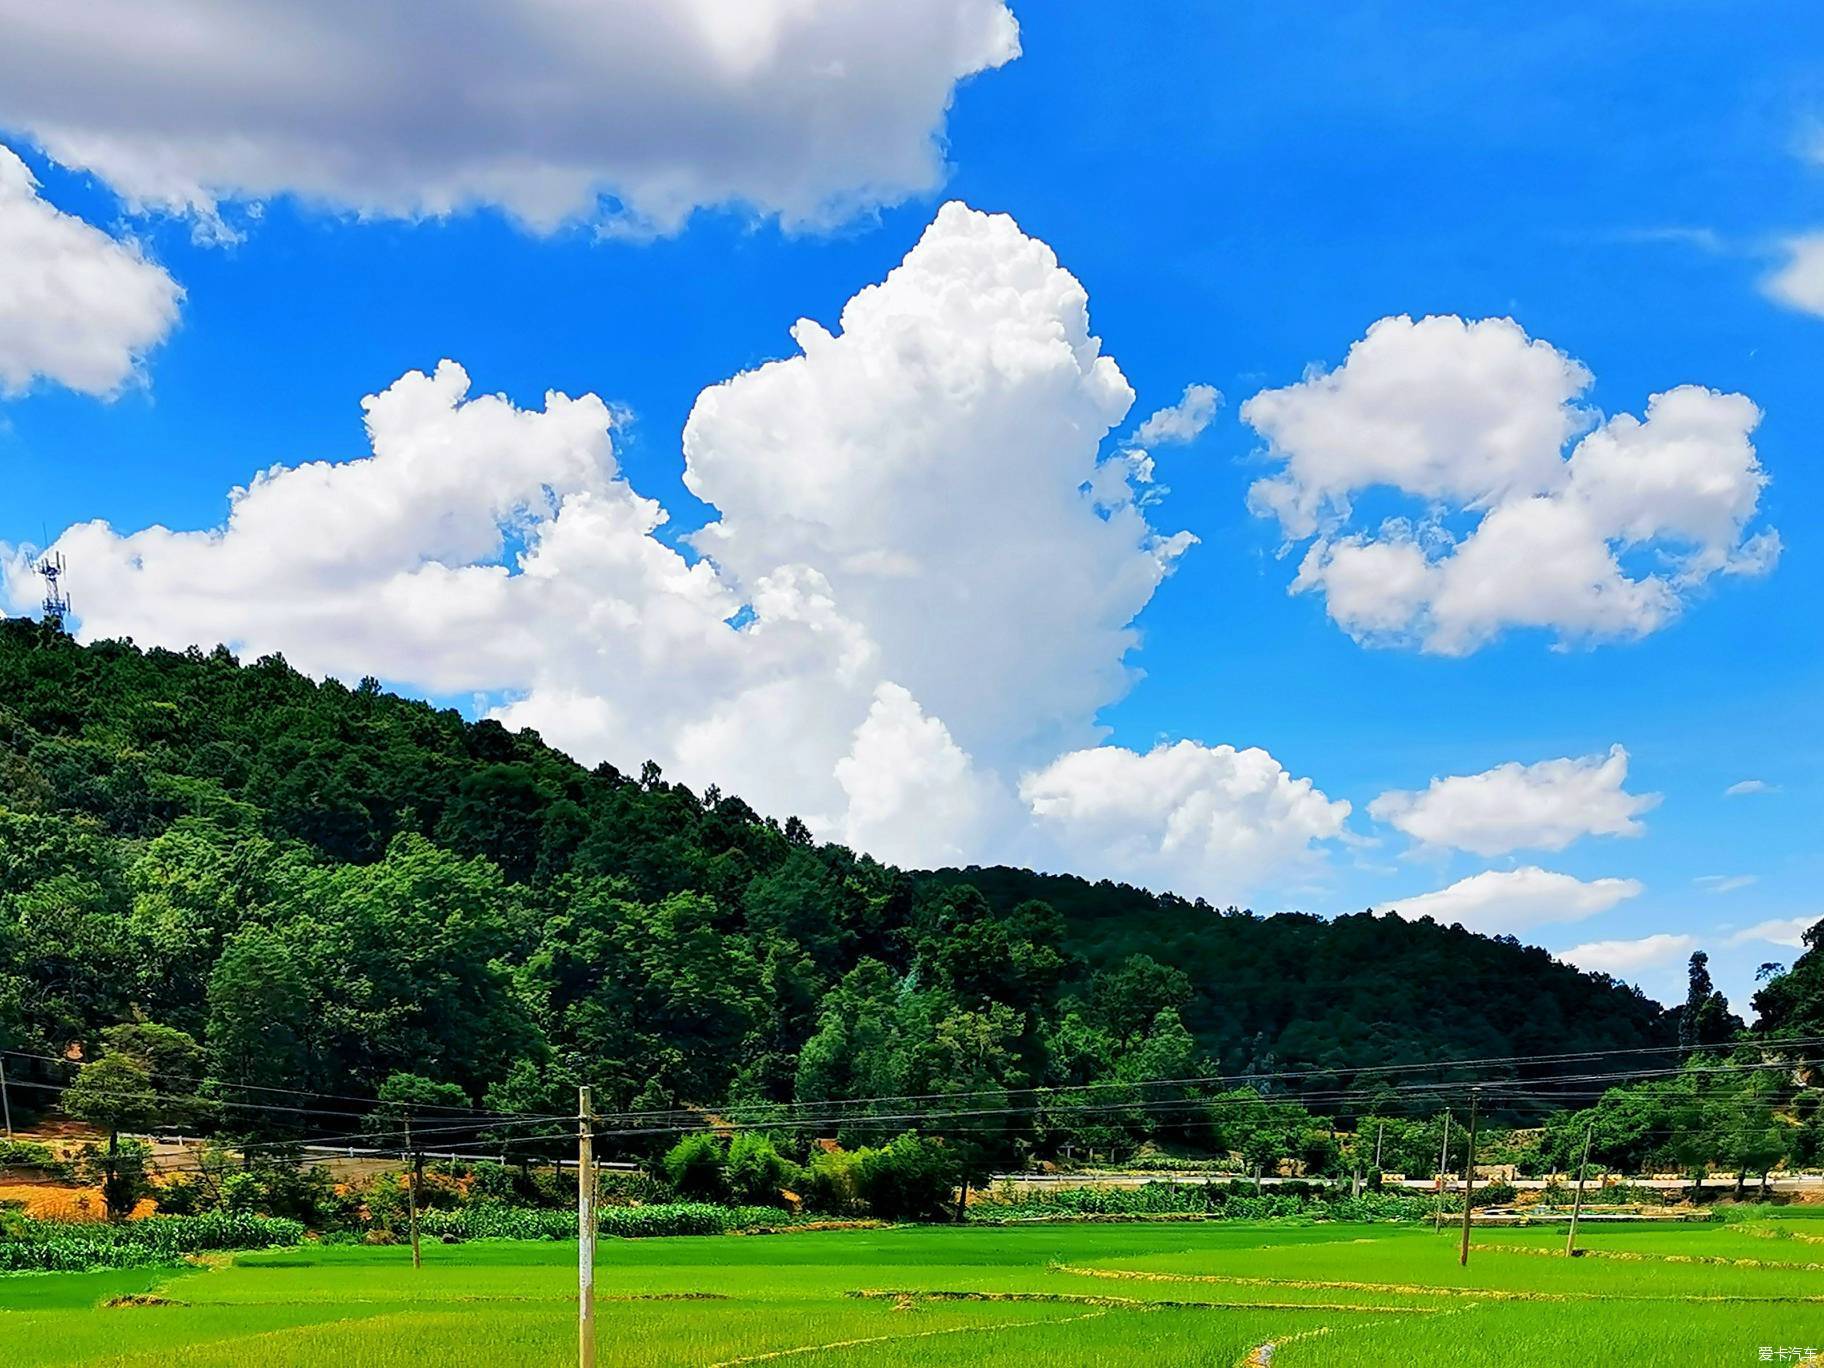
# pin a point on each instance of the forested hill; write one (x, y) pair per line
(326, 886)
(1304, 991)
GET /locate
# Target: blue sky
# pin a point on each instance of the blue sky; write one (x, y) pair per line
(1241, 191)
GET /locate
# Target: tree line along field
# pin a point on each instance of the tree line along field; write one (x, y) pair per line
(1321, 1296)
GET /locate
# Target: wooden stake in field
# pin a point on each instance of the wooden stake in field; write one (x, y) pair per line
(1570, 1239)
(1469, 1177)
(1437, 1216)
(411, 1191)
(585, 1231)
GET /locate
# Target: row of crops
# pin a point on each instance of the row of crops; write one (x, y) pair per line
(484, 1221)
(70, 1246)
(28, 1245)
(1008, 1204)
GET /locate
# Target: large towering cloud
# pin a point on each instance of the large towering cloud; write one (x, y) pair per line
(920, 585)
(1467, 422)
(930, 460)
(625, 112)
(77, 307)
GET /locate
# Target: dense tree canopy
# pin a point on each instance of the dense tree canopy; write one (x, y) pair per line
(328, 890)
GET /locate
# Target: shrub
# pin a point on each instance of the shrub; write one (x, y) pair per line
(907, 1179)
(493, 1183)
(33, 1155)
(183, 1197)
(756, 1171)
(831, 1182)
(697, 1167)
(242, 1193)
(304, 1192)
(616, 1188)
(119, 1170)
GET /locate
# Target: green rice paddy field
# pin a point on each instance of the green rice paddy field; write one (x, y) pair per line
(1142, 1294)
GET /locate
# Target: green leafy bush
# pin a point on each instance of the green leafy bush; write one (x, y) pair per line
(697, 1167)
(756, 1171)
(33, 1155)
(910, 1178)
(831, 1182)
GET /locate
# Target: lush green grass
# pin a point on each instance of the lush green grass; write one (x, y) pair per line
(1055, 1295)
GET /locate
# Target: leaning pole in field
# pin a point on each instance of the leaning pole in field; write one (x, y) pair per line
(1570, 1239)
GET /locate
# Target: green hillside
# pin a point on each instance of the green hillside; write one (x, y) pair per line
(326, 886)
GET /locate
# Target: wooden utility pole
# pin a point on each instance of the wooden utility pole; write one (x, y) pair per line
(585, 1231)
(1570, 1239)
(1469, 1177)
(1437, 1216)
(411, 1191)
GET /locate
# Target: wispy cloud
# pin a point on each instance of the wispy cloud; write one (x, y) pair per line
(1744, 787)
(1675, 235)
(1723, 883)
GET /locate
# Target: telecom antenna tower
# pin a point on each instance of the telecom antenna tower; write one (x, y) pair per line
(56, 601)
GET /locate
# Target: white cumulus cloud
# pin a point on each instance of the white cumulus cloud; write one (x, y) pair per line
(1798, 283)
(913, 795)
(1543, 806)
(920, 583)
(77, 307)
(1183, 421)
(1508, 902)
(1469, 421)
(1194, 818)
(629, 112)
(1786, 931)
(1744, 788)
(1623, 958)
(929, 460)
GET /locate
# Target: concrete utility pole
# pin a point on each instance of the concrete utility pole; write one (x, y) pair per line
(5, 1105)
(411, 1191)
(1437, 1216)
(1570, 1239)
(1469, 1177)
(1380, 1129)
(585, 1231)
